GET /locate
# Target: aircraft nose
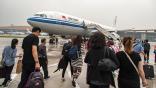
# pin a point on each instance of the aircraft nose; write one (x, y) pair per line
(29, 20)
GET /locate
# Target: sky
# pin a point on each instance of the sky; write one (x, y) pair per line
(138, 14)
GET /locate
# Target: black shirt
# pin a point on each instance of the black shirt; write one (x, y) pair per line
(28, 41)
(127, 70)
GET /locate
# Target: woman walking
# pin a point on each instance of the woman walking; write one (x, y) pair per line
(131, 66)
(75, 56)
(97, 78)
(9, 55)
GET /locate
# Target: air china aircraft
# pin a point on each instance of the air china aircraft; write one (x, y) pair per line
(63, 24)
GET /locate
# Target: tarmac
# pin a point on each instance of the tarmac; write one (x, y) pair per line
(54, 55)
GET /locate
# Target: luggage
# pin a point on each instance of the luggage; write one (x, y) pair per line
(149, 71)
(2, 69)
(2, 63)
(19, 67)
(35, 80)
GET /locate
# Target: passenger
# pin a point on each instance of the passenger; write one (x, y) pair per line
(30, 56)
(128, 75)
(76, 57)
(52, 41)
(146, 50)
(56, 41)
(9, 55)
(65, 49)
(95, 77)
(43, 58)
(138, 48)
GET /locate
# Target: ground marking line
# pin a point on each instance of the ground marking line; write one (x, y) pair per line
(52, 65)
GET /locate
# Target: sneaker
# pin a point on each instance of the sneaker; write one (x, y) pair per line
(73, 83)
(47, 77)
(63, 79)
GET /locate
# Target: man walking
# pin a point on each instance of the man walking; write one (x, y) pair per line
(30, 55)
(146, 50)
(43, 58)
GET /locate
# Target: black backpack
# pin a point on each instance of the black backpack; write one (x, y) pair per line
(35, 80)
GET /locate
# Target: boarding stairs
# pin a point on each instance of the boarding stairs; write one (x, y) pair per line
(101, 29)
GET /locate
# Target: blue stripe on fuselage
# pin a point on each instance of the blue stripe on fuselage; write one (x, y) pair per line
(54, 21)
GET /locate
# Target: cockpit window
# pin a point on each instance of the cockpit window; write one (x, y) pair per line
(41, 15)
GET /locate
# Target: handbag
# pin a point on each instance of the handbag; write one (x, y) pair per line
(2, 69)
(106, 64)
(2, 63)
(19, 67)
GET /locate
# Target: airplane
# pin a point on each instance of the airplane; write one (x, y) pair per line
(63, 24)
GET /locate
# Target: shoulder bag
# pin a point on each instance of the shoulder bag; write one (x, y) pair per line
(106, 64)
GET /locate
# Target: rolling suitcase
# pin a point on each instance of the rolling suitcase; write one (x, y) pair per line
(149, 71)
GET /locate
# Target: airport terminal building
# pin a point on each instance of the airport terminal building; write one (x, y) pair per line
(150, 35)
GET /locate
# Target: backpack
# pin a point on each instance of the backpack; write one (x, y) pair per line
(73, 53)
(106, 63)
(35, 80)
